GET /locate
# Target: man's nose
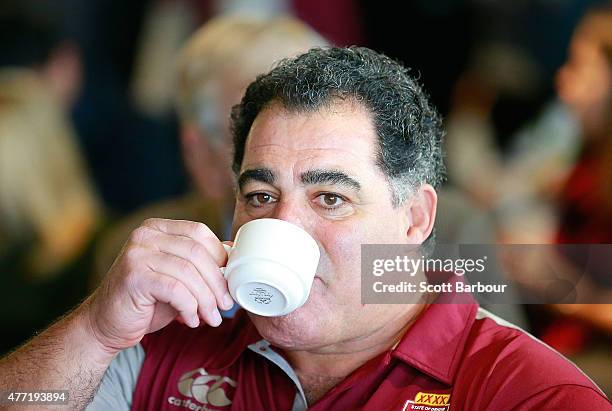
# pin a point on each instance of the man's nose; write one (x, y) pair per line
(292, 211)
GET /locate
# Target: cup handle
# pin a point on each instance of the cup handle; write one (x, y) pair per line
(228, 250)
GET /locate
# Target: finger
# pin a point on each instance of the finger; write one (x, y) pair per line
(198, 255)
(184, 271)
(195, 230)
(162, 316)
(168, 290)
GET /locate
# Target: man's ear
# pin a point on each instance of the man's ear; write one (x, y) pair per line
(421, 213)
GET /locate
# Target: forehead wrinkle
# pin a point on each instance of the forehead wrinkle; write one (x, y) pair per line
(312, 152)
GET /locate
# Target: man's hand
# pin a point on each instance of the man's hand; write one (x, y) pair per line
(166, 269)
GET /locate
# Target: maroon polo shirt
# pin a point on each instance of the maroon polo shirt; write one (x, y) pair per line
(454, 357)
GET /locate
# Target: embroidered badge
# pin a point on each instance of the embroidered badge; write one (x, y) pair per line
(428, 402)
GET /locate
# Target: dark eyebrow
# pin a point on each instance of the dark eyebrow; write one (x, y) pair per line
(264, 175)
(329, 177)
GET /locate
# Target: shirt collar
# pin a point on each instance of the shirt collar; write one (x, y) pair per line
(435, 342)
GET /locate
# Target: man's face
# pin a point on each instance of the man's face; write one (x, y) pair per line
(317, 170)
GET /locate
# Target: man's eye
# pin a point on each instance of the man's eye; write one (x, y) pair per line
(259, 199)
(331, 201)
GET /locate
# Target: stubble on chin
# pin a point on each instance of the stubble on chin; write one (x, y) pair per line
(301, 329)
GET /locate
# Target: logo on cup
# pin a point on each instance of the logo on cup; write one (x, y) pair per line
(261, 296)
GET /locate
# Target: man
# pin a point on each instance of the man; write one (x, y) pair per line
(343, 143)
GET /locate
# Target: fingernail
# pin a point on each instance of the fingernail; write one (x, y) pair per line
(194, 322)
(228, 301)
(215, 318)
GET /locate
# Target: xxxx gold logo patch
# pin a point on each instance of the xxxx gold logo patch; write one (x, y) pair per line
(428, 402)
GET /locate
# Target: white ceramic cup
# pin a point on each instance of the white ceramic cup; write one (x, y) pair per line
(271, 267)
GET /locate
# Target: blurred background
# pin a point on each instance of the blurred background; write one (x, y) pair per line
(114, 111)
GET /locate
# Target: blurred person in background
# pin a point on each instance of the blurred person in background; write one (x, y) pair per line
(584, 84)
(581, 211)
(514, 180)
(49, 211)
(213, 69)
